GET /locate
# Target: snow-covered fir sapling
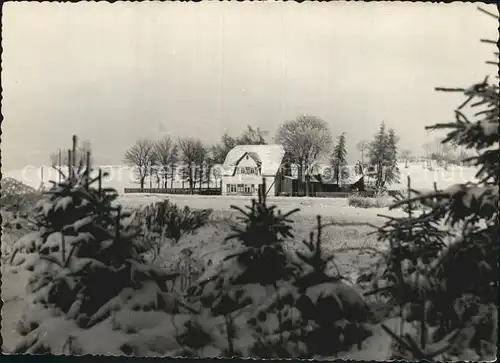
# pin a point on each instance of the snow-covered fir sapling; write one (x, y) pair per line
(457, 304)
(403, 275)
(314, 313)
(87, 276)
(261, 257)
(278, 304)
(247, 277)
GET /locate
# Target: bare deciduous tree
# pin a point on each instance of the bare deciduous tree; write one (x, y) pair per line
(220, 150)
(447, 154)
(305, 139)
(427, 148)
(174, 160)
(405, 156)
(202, 166)
(164, 153)
(253, 136)
(192, 151)
(250, 136)
(216, 174)
(60, 158)
(362, 146)
(142, 156)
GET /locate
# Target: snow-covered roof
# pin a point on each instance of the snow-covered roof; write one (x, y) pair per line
(269, 155)
(254, 156)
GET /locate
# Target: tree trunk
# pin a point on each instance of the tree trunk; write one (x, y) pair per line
(172, 177)
(191, 180)
(338, 175)
(378, 182)
(300, 173)
(142, 182)
(208, 176)
(201, 178)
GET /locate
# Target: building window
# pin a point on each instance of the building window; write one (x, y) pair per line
(247, 188)
(246, 170)
(229, 188)
(241, 188)
(253, 188)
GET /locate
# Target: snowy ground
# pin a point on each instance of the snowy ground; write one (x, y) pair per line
(329, 208)
(208, 244)
(422, 178)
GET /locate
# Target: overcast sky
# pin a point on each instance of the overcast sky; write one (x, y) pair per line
(114, 73)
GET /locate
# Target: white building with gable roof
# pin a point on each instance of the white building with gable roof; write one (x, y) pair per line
(245, 167)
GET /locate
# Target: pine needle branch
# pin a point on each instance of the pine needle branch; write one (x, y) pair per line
(487, 12)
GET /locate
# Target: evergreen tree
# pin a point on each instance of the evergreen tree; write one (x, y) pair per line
(392, 168)
(317, 313)
(339, 157)
(276, 303)
(383, 155)
(377, 153)
(87, 274)
(262, 257)
(451, 290)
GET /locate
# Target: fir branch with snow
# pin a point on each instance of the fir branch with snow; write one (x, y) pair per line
(465, 269)
(86, 270)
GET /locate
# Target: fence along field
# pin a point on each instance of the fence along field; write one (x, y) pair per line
(202, 191)
(217, 191)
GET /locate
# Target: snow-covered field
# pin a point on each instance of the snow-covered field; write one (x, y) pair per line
(329, 208)
(423, 179)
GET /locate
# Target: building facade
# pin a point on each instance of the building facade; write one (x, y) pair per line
(246, 166)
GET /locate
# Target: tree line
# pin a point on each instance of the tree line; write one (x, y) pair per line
(306, 140)
(189, 156)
